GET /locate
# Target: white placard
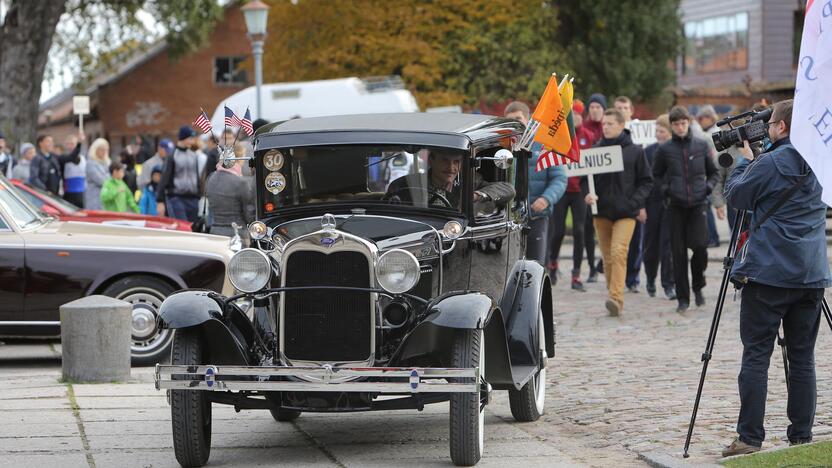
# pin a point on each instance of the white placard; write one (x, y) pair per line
(643, 132)
(598, 160)
(81, 105)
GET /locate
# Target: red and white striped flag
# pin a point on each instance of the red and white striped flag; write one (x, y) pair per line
(246, 125)
(549, 159)
(231, 119)
(201, 122)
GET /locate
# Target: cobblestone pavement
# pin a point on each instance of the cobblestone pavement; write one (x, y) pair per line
(628, 384)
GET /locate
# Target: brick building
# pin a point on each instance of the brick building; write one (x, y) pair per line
(738, 51)
(152, 95)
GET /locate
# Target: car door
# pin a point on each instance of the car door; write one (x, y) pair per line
(12, 273)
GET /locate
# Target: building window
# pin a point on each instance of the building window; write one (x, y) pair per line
(717, 44)
(229, 71)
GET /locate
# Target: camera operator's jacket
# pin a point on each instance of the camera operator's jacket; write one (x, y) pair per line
(686, 169)
(788, 250)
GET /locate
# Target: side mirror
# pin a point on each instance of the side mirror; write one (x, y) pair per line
(503, 158)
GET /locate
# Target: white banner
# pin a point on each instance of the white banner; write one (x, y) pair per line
(643, 132)
(80, 105)
(811, 131)
(596, 161)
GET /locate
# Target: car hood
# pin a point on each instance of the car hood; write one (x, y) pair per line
(69, 233)
(385, 232)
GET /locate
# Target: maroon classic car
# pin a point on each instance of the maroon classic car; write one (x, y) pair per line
(66, 211)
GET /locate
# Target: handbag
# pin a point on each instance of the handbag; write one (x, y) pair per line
(203, 221)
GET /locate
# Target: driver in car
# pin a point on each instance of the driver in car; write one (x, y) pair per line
(444, 185)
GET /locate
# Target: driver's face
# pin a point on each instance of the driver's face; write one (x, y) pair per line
(444, 167)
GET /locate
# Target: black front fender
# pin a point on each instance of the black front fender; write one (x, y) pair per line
(225, 338)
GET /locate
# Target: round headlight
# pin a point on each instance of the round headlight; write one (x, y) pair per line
(249, 270)
(397, 271)
(452, 229)
(257, 230)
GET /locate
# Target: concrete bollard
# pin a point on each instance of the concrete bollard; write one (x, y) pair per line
(95, 339)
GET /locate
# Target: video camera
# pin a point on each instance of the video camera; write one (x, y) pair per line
(754, 128)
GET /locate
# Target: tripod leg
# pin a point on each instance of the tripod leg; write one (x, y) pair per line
(826, 312)
(727, 263)
(782, 342)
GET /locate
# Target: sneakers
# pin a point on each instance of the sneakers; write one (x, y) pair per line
(700, 298)
(633, 289)
(651, 289)
(670, 293)
(554, 273)
(599, 267)
(739, 447)
(613, 307)
(593, 277)
(577, 285)
(682, 307)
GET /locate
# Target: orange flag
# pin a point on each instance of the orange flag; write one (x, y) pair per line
(553, 132)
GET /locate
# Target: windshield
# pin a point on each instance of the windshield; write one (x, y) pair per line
(23, 214)
(424, 177)
(60, 203)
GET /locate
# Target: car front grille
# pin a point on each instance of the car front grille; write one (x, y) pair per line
(327, 325)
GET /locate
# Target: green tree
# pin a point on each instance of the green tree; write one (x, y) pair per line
(29, 29)
(621, 48)
(449, 52)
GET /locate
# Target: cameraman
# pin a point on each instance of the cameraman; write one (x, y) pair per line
(782, 270)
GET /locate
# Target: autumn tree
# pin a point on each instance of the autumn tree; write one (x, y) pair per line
(449, 52)
(620, 47)
(29, 29)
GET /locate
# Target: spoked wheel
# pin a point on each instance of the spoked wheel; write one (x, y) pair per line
(467, 415)
(190, 410)
(284, 415)
(527, 403)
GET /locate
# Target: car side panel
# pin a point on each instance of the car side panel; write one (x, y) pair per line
(12, 277)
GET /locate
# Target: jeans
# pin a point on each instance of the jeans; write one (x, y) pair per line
(713, 235)
(762, 309)
(573, 201)
(183, 207)
(635, 256)
(76, 198)
(689, 230)
(538, 240)
(614, 240)
(657, 244)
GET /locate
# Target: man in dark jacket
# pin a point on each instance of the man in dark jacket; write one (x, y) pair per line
(47, 168)
(782, 269)
(657, 229)
(620, 196)
(689, 175)
(180, 186)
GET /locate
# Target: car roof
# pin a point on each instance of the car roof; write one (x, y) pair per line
(434, 129)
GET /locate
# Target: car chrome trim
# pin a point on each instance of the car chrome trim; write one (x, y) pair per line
(40, 323)
(99, 248)
(327, 379)
(345, 242)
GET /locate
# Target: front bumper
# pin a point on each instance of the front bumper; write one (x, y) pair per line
(391, 380)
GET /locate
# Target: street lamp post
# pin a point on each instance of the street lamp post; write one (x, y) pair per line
(256, 13)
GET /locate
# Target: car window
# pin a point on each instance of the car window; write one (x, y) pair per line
(31, 198)
(15, 208)
(54, 199)
(424, 177)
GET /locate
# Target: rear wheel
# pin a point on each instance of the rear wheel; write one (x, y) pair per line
(527, 404)
(467, 416)
(284, 415)
(190, 410)
(148, 344)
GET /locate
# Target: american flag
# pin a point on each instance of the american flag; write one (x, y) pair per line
(201, 122)
(246, 123)
(549, 159)
(231, 119)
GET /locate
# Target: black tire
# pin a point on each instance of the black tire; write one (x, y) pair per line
(190, 410)
(466, 420)
(284, 415)
(527, 404)
(148, 344)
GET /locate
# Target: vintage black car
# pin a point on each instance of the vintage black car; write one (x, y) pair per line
(387, 272)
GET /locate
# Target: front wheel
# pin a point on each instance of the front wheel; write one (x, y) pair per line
(284, 415)
(467, 414)
(190, 410)
(527, 403)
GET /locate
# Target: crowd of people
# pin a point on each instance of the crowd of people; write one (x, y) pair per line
(172, 181)
(665, 203)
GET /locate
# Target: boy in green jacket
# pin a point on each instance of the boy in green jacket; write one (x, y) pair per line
(115, 195)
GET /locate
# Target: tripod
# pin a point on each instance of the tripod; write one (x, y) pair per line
(727, 263)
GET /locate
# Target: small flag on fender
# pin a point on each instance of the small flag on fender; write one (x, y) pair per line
(549, 159)
(201, 122)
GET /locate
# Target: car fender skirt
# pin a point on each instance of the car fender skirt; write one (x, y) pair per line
(226, 339)
(528, 291)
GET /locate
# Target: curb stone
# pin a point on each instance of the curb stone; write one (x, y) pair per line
(664, 460)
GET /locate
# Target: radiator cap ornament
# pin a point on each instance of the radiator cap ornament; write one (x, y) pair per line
(328, 222)
(328, 226)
